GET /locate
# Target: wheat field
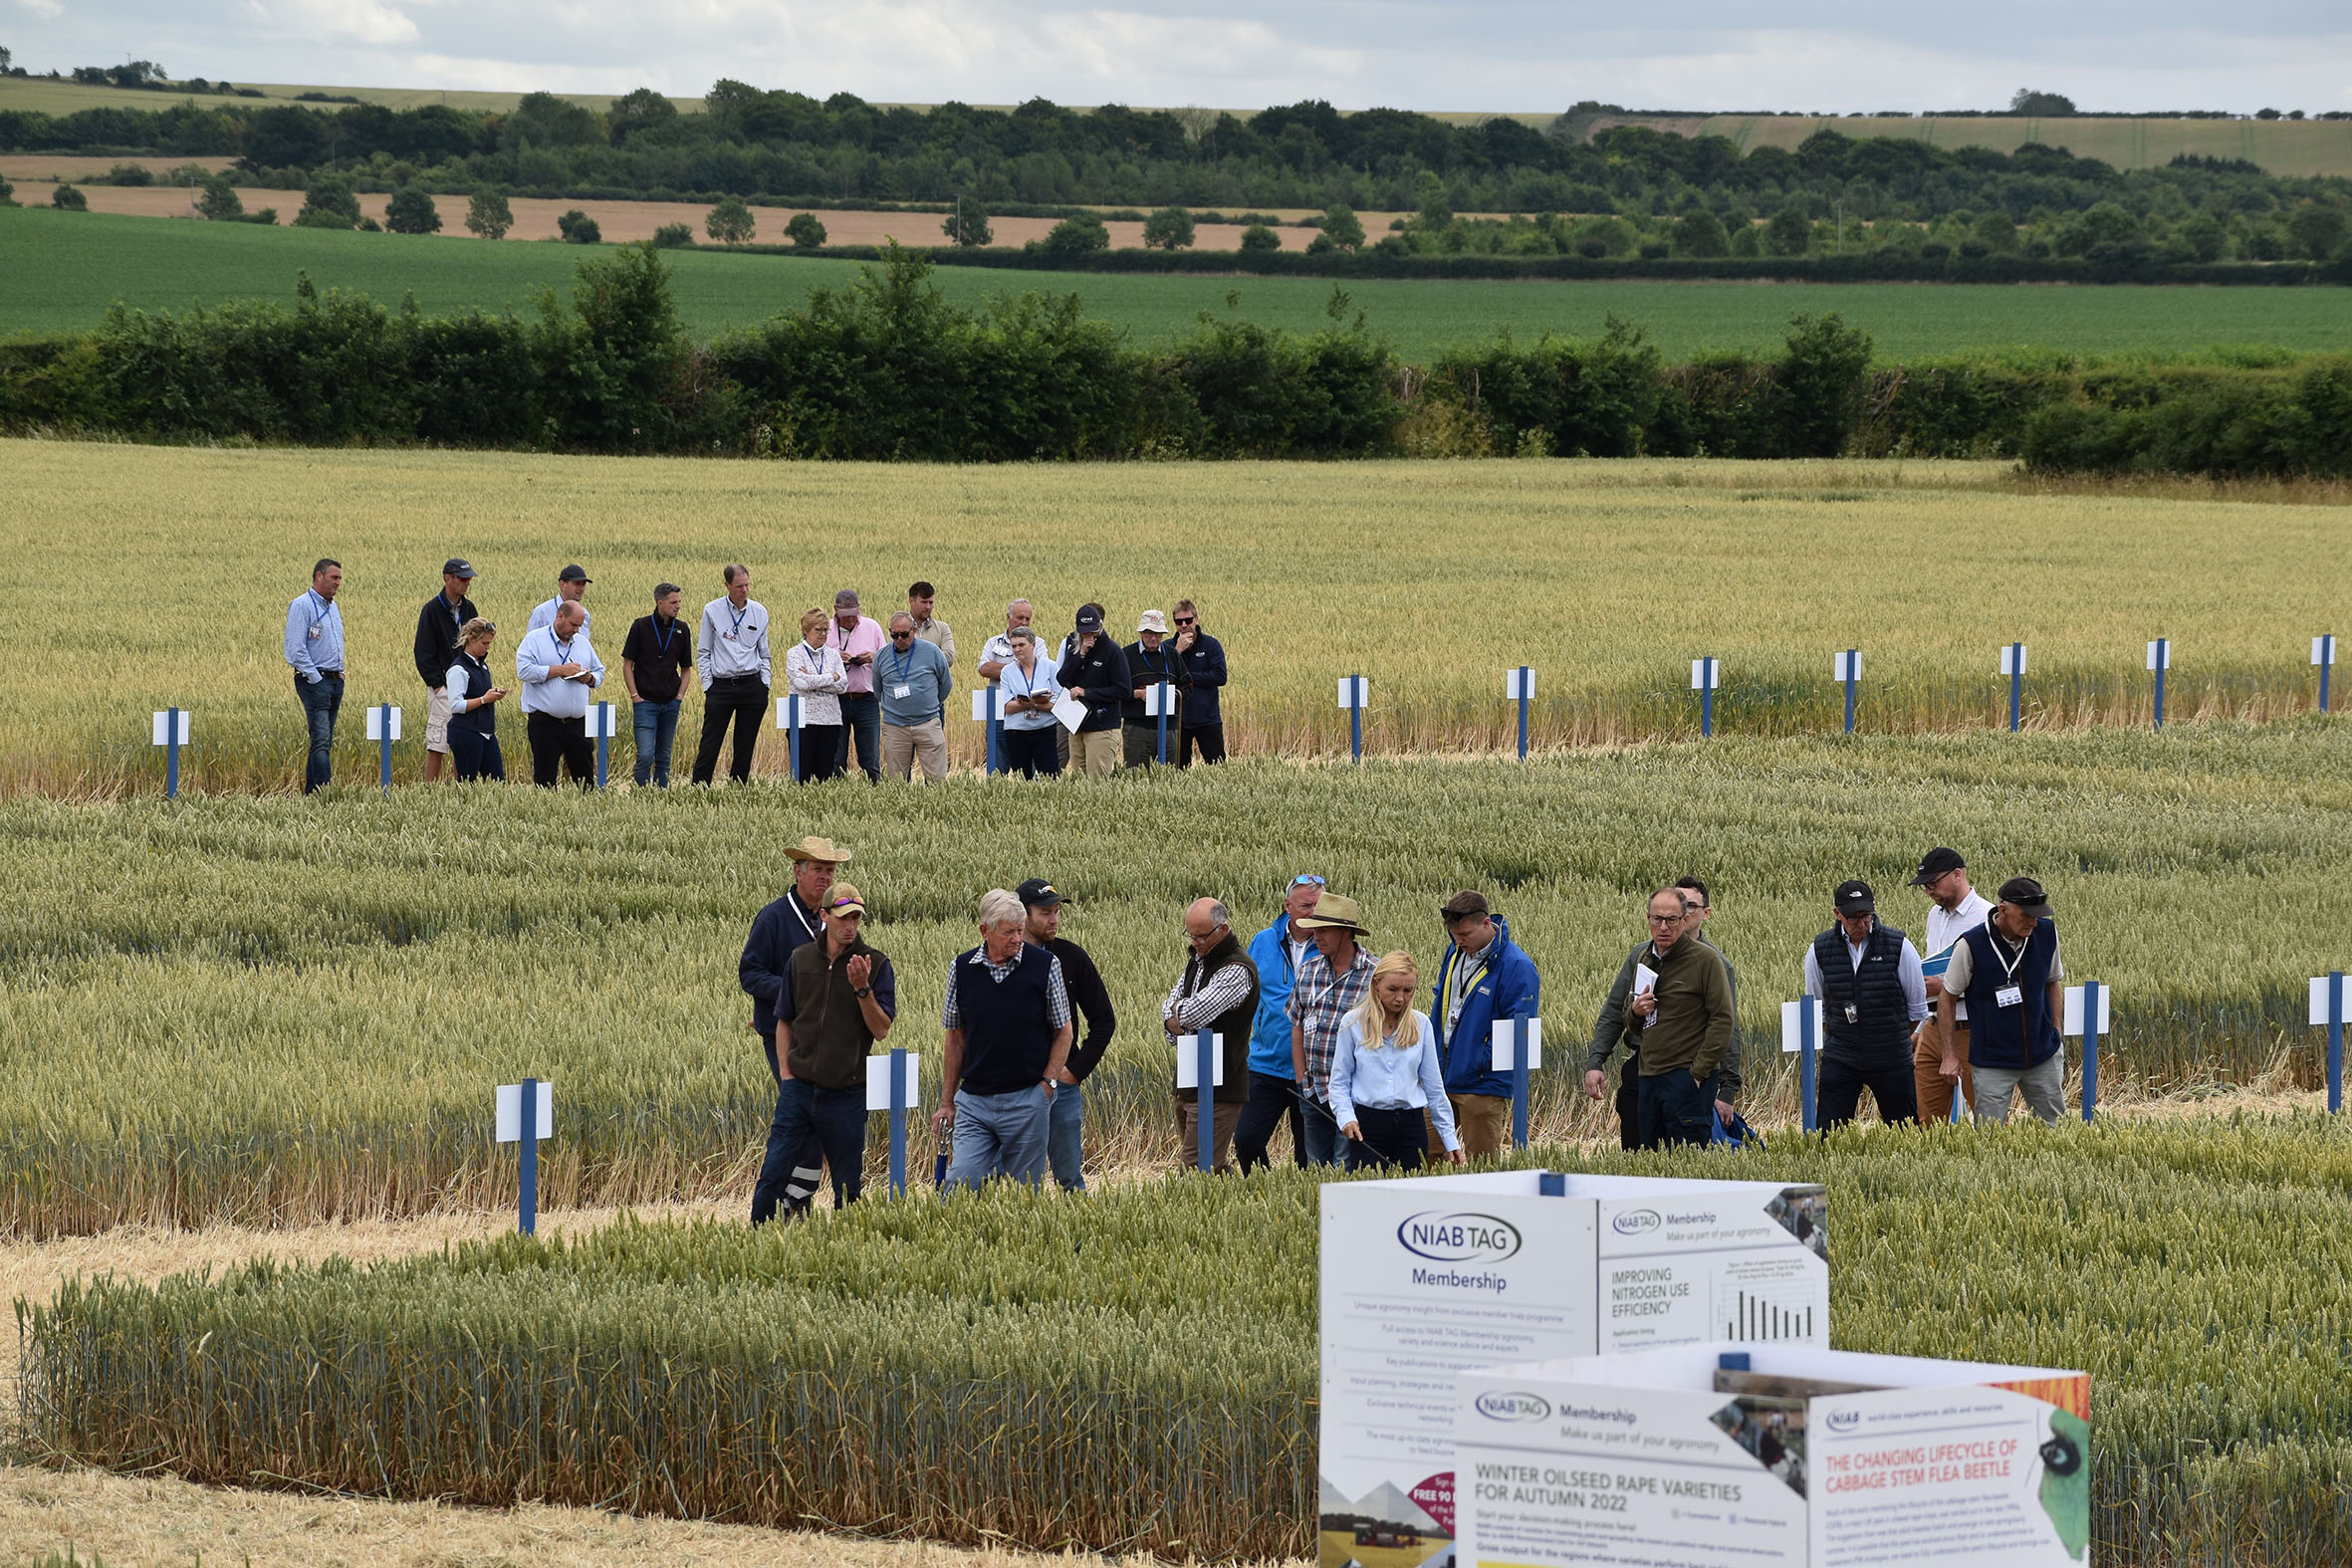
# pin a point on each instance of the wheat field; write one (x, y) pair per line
(161, 577)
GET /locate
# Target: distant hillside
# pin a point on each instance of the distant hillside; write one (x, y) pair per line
(2297, 149)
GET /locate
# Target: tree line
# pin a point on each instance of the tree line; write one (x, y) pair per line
(782, 146)
(887, 368)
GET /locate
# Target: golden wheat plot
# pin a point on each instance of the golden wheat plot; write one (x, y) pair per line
(271, 1009)
(149, 576)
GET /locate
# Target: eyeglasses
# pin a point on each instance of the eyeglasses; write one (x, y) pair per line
(1666, 920)
(1309, 879)
(902, 636)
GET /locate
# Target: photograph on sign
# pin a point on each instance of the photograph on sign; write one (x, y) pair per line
(877, 1080)
(2319, 1001)
(164, 726)
(1505, 1053)
(2073, 1023)
(510, 1113)
(1713, 1455)
(1426, 1278)
(1188, 1063)
(376, 724)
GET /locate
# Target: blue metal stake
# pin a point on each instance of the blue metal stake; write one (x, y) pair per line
(172, 747)
(1519, 1079)
(383, 731)
(2162, 657)
(1205, 1062)
(2335, 1040)
(2328, 648)
(1804, 1059)
(1523, 685)
(898, 1121)
(1707, 698)
(994, 725)
(1165, 692)
(2090, 1046)
(530, 1142)
(2017, 683)
(1355, 718)
(603, 747)
(1853, 663)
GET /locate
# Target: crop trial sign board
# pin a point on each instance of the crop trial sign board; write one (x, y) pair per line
(1426, 1277)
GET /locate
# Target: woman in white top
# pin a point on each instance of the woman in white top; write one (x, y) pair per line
(1386, 1073)
(473, 695)
(819, 677)
(1029, 743)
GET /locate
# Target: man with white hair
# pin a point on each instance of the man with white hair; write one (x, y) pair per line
(1008, 1033)
(558, 668)
(1218, 992)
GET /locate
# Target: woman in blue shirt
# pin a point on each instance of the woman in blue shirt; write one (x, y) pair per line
(1386, 1073)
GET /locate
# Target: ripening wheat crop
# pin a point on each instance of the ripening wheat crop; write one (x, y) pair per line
(269, 1010)
(161, 577)
(1137, 1370)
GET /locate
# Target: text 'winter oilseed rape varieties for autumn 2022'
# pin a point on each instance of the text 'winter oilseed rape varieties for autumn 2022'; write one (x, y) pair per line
(1424, 1279)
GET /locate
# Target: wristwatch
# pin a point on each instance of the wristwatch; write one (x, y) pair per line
(861, 990)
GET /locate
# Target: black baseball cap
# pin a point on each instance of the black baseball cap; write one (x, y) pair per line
(574, 574)
(1037, 893)
(1855, 898)
(2026, 894)
(1090, 619)
(459, 566)
(1937, 862)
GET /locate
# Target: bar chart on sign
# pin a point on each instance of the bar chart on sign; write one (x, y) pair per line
(1766, 1299)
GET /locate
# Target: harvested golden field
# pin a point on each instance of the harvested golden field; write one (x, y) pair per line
(167, 572)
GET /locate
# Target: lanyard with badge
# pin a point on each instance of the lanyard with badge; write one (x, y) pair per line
(2011, 995)
(661, 640)
(903, 688)
(735, 616)
(320, 615)
(811, 928)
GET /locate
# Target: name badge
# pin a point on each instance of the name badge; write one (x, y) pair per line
(1853, 1014)
(315, 634)
(902, 691)
(730, 636)
(2009, 996)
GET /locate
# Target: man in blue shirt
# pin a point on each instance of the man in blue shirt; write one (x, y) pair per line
(913, 679)
(1483, 976)
(1277, 952)
(314, 649)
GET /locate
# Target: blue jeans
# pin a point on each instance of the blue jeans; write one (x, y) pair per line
(1000, 1134)
(321, 700)
(657, 724)
(1063, 1149)
(1676, 1109)
(861, 719)
(810, 1121)
(1324, 1146)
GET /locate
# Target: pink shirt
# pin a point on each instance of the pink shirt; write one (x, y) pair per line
(866, 638)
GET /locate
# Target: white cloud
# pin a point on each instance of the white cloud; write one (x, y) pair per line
(359, 21)
(43, 8)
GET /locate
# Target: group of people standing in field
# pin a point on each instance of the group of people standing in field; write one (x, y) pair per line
(878, 689)
(1346, 1049)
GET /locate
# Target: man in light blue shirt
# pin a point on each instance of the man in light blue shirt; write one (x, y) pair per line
(913, 679)
(313, 648)
(558, 669)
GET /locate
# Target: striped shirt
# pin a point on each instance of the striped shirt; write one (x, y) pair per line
(1320, 1001)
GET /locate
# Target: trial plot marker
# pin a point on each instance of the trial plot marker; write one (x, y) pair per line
(1519, 1063)
(788, 719)
(1200, 1068)
(526, 1115)
(171, 733)
(599, 728)
(2087, 1016)
(2013, 665)
(1520, 685)
(1706, 675)
(1847, 669)
(1800, 1031)
(2327, 1011)
(891, 1082)
(2160, 659)
(988, 707)
(1159, 702)
(1356, 695)
(384, 728)
(2324, 654)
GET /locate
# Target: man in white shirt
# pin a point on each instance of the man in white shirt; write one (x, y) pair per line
(1955, 909)
(558, 669)
(996, 652)
(733, 664)
(571, 583)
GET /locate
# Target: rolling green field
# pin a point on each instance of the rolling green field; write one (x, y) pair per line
(284, 1010)
(943, 1369)
(65, 269)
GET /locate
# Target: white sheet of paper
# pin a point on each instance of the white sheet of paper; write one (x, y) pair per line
(1071, 712)
(1645, 981)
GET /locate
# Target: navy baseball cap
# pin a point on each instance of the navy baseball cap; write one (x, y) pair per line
(459, 566)
(1037, 893)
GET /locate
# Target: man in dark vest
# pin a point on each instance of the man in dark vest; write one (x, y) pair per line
(1008, 1031)
(778, 931)
(839, 1002)
(1868, 978)
(1217, 992)
(2009, 973)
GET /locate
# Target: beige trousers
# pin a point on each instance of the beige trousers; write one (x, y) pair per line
(1098, 752)
(905, 744)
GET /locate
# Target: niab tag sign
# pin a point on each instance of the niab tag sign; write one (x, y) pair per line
(1427, 1278)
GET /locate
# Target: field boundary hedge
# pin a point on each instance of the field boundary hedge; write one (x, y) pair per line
(888, 369)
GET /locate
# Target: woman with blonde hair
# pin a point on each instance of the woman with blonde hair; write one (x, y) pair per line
(816, 674)
(473, 695)
(1386, 1073)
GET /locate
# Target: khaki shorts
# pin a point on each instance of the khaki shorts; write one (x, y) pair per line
(437, 721)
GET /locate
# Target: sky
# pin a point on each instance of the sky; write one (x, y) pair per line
(1518, 55)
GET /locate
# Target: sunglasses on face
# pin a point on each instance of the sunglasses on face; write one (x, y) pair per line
(902, 637)
(1184, 620)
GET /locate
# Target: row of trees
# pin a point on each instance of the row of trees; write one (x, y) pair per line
(788, 147)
